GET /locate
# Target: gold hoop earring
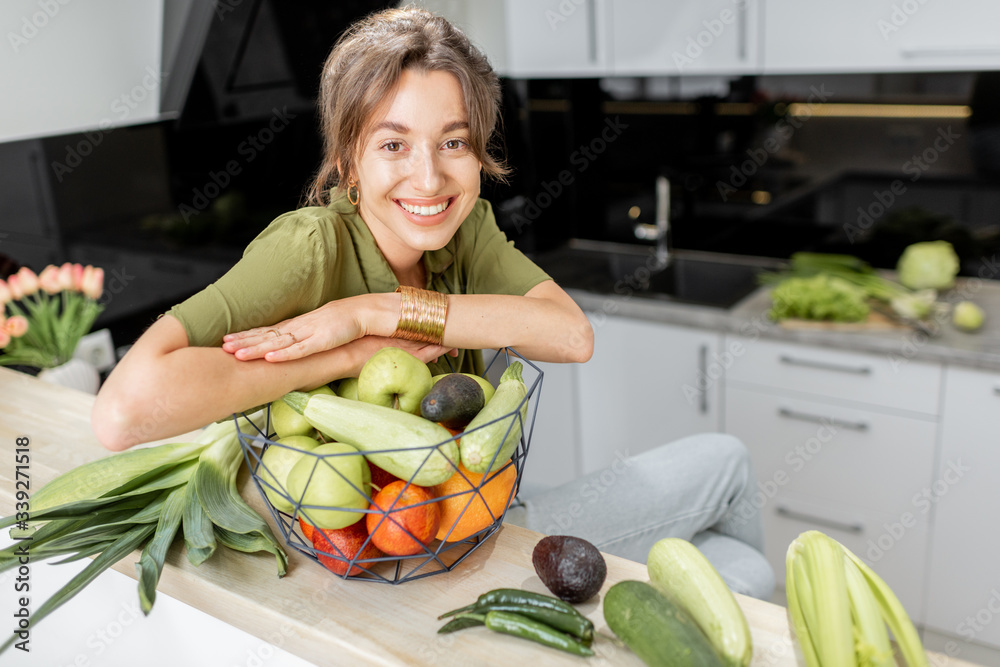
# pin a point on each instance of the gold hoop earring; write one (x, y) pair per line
(357, 193)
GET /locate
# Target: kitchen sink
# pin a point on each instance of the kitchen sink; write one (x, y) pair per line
(704, 278)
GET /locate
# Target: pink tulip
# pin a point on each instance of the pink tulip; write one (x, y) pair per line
(93, 282)
(16, 290)
(77, 278)
(28, 279)
(16, 326)
(4, 338)
(5, 294)
(49, 279)
(66, 277)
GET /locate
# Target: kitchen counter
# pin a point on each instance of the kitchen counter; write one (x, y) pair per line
(312, 613)
(747, 320)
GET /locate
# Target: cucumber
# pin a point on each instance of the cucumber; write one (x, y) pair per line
(484, 442)
(403, 444)
(683, 574)
(657, 630)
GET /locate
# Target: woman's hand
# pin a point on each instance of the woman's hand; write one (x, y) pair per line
(329, 326)
(363, 348)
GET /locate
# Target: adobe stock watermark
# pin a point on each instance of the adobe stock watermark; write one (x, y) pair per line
(899, 16)
(248, 150)
(712, 30)
(915, 167)
(580, 159)
(563, 11)
(33, 24)
(795, 460)
(122, 107)
(785, 128)
(922, 502)
(592, 489)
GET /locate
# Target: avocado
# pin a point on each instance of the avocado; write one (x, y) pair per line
(571, 567)
(453, 401)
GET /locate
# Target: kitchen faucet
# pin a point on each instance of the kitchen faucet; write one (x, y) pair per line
(660, 231)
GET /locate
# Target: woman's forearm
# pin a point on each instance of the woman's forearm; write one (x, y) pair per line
(545, 325)
(162, 396)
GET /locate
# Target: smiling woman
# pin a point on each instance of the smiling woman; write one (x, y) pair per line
(408, 107)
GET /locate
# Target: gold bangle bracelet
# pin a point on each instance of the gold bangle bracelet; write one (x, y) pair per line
(422, 314)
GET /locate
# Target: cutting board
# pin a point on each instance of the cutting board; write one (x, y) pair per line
(876, 321)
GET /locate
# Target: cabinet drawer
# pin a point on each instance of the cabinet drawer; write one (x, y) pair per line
(895, 549)
(883, 380)
(832, 454)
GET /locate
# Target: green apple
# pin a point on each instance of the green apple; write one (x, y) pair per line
(326, 483)
(286, 421)
(348, 388)
(488, 389)
(394, 378)
(275, 463)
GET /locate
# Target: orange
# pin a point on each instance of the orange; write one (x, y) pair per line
(408, 519)
(466, 514)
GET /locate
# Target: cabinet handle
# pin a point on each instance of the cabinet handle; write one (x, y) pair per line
(996, 390)
(741, 32)
(592, 29)
(950, 51)
(817, 419)
(703, 370)
(825, 365)
(783, 511)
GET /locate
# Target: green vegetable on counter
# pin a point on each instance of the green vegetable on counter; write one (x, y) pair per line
(820, 297)
(967, 316)
(928, 265)
(535, 616)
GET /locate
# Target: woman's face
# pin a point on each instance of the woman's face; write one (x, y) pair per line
(417, 177)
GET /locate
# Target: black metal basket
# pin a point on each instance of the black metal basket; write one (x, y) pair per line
(434, 558)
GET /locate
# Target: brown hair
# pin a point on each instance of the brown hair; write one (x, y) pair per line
(363, 69)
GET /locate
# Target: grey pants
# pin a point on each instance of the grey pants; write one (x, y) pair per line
(695, 488)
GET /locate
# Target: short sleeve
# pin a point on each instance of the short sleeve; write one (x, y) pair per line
(492, 264)
(279, 276)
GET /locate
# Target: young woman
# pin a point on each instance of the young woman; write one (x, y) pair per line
(408, 106)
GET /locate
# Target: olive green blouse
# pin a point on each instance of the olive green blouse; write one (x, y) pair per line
(314, 255)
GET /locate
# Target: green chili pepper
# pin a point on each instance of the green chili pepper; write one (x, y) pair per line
(518, 597)
(575, 624)
(527, 628)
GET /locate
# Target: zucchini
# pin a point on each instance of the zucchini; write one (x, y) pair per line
(492, 435)
(683, 574)
(657, 630)
(403, 444)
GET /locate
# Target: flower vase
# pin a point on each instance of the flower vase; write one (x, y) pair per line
(76, 373)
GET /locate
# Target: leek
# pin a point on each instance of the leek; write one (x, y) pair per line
(108, 508)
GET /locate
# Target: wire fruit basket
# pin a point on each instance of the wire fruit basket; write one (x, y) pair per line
(471, 507)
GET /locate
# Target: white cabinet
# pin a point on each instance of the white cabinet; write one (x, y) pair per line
(656, 38)
(554, 450)
(964, 573)
(557, 38)
(880, 36)
(646, 384)
(844, 443)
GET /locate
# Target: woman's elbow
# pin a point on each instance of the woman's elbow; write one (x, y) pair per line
(113, 421)
(581, 343)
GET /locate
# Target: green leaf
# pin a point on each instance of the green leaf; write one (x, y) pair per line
(150, 564)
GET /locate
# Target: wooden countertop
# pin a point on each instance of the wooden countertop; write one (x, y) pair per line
(316, 615)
